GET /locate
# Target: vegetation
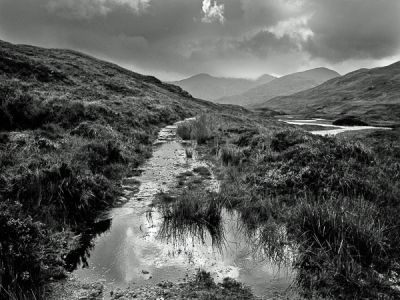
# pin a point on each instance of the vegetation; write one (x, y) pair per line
(333, 200)
(199, 129)
(71, 127)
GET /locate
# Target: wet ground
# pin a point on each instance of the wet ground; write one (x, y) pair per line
(138, 247)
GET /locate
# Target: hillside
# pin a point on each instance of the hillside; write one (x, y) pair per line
(71, 127)
(285, 85)
(205, 86)
(373, 94)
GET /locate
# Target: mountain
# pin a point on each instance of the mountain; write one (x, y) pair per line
(285, 85)
(205, 86)
(370, 93)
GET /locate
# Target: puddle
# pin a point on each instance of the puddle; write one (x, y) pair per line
(138, 246)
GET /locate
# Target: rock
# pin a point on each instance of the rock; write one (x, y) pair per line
(145, 272)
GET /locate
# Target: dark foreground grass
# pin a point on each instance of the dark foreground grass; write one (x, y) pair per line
(333, 200)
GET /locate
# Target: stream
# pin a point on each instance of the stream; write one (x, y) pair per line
(134, 245)
(333, 129)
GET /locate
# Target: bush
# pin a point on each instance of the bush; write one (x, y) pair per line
(20, 111)
(98, 155)
(20, 251)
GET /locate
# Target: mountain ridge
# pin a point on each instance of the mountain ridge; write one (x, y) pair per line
(371, 93)
(208, 87)
(284, 85)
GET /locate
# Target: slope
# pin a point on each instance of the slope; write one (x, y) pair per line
(205, 86)
(373, 94)
(285, 85)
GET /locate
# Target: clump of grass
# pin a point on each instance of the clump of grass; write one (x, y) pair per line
(193, 211)
(184, 130)
(202, 129)
(231, 155)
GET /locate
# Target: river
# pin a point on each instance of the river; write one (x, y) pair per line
(333, 129)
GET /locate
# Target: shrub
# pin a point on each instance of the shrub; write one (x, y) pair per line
(98, 155)
(20, 111)
(20, 249)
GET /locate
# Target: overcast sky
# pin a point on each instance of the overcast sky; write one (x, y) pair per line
(173, 39)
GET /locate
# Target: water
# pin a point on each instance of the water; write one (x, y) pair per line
(138, 246)
(335, 129)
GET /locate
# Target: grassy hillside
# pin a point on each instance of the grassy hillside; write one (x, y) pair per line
(373, 94)
(285, 85)
(71, 127)
(207, 87)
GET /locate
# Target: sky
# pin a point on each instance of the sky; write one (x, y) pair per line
(174, 39)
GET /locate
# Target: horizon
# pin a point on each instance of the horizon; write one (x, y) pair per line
(177, 39)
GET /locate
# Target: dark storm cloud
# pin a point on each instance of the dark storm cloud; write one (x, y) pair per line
(174, 38)
(349, 29)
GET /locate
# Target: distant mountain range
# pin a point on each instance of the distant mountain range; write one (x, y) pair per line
(371, 93)
(282, 86)
(205, 86)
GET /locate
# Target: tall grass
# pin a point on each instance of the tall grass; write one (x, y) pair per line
(202, 129)
(193, 211)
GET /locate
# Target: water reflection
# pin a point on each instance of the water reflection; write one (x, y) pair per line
(81, 254)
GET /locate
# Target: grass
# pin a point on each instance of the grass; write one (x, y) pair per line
(193, 211)
(201, 129)
(332, 199)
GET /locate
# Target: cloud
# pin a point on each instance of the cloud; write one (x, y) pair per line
(87, 9)
(213, 12)
(296, 29)
(168, 36)
(138, 6)
(78, 9)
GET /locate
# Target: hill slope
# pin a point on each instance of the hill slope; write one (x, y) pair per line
(370, 93)
(285, 85)
(71, 127)
(207, 87)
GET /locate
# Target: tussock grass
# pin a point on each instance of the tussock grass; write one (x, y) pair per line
(202, 129)
(193, 211)
(230, 155)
